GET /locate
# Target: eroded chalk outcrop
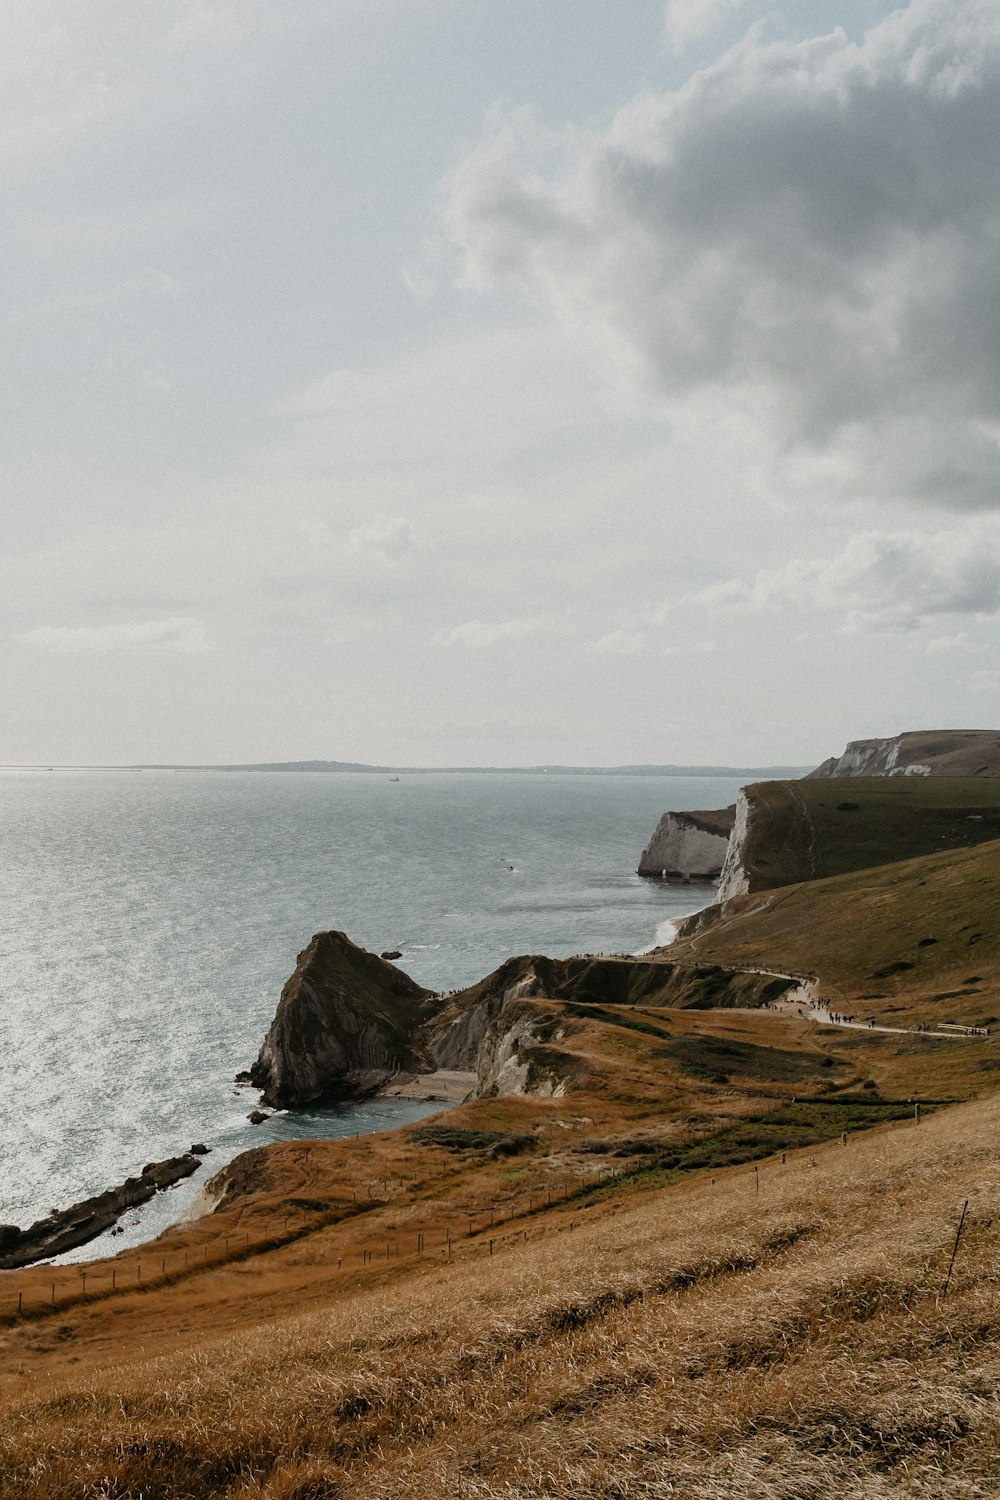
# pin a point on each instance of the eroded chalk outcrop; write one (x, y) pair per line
(923, 752)
(348, 1024)
(734, 879)
(688, 845)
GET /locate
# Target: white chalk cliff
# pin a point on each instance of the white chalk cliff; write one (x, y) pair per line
(933, 752)
(734, 880)
(688, 845)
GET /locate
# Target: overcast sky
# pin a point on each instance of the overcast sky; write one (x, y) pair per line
(497, 381)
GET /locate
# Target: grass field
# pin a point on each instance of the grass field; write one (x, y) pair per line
(775, 1334)
(912, 941)
(808, 830)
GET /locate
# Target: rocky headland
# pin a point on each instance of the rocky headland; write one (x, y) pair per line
(349, 1024)
(712, 845)
(924, 752)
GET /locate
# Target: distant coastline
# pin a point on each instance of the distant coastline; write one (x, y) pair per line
(759, 773)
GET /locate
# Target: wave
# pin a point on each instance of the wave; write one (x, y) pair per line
(665, 934)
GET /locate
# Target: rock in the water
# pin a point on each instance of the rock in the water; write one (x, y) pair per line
(258, 1116)
(346, 1023)
(199, 1149)
(65, 1229)
(391, 953)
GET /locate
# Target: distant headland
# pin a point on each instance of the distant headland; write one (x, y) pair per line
(760, 773)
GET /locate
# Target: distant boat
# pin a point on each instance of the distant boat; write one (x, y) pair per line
(393, 778)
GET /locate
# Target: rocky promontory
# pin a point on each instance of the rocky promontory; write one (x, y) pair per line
(347, 1022)
(922, 752)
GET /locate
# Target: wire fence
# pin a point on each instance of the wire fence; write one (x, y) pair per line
(155, 1267)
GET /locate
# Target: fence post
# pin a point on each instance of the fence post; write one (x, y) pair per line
(961, 1226)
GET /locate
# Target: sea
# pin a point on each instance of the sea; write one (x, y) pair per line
(148, 920)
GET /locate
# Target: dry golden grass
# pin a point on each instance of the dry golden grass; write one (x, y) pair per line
(699, 1339)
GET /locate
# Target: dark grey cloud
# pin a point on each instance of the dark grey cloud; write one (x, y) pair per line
(806, 232)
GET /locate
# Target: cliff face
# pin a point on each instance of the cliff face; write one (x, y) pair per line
(346, 1023)
(734, 878)
(932, 752)
(688, 845)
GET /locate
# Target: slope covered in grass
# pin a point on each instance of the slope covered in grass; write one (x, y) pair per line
(808, 830)
(916, 939)
(778, 1334)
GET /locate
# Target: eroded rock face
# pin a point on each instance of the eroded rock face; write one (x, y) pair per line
(347, 1022)
(688, 845)
(923, 752)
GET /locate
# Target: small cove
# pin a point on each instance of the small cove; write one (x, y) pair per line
(151, 919)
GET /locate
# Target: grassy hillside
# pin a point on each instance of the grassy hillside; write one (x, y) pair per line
(915, 940)
(780, 1333)
(808, 830)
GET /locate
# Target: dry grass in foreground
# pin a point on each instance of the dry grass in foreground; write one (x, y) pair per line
(700, 1339)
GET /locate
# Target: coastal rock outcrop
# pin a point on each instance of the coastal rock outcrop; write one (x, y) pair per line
(688, 845)
(65, 1229)
(925, 752)
(347, 1022)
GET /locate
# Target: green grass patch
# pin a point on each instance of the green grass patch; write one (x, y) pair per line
(809, 830)
(614, 1018)
(720, 1060)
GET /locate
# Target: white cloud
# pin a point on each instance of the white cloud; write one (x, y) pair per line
(805, 235)
(473, 397)
(387, 539)
(686, 21)
(479, 633)
(178, 634)
(944, 645)
(881, 580)
(619, 643)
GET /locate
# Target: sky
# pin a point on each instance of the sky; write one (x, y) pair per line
(497, 382)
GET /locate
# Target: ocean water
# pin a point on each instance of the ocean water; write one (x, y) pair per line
(149, 920)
